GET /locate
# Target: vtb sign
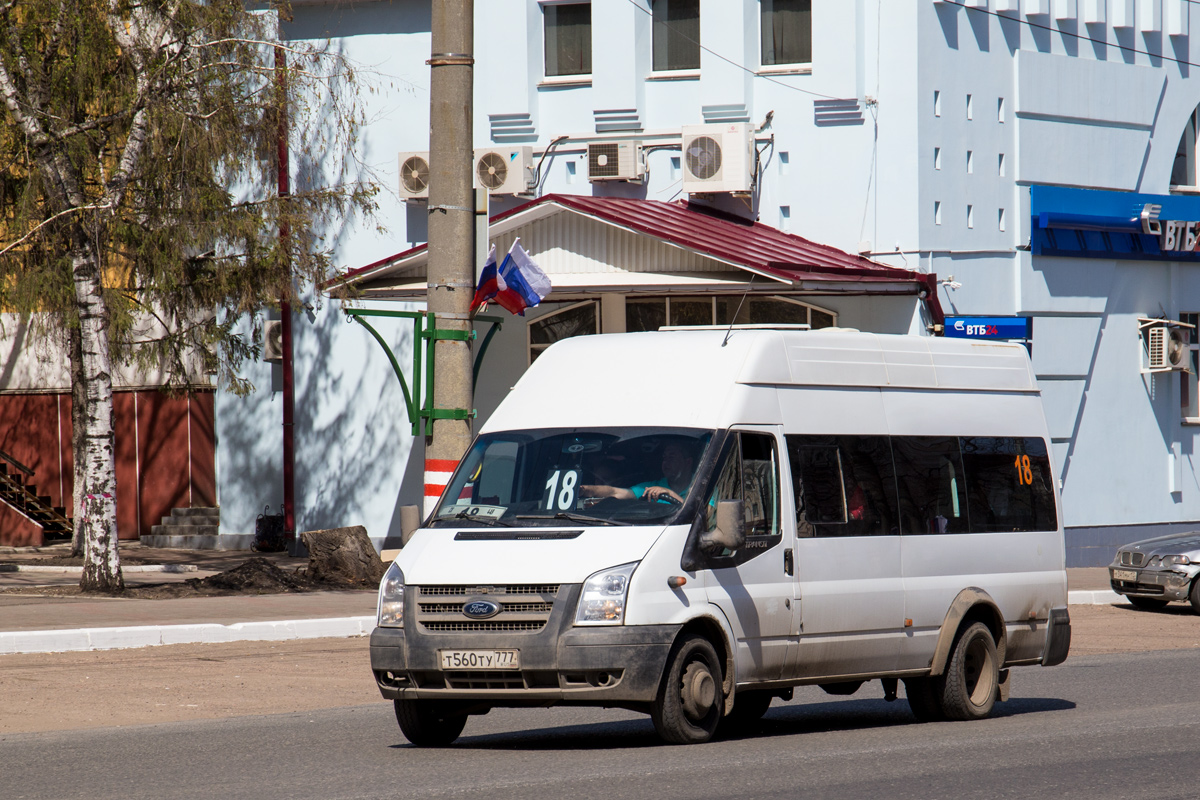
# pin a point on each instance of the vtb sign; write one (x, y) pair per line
(987, 327)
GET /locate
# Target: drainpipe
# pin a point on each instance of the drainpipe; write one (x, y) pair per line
(285, 308)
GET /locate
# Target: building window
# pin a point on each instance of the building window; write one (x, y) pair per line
(937, 158)
(937, 103)
(579, 319)
(1189, 391)
(652, 313)
(786, 32)
(970, 216)
(970, 162)
(970, 108)
(1183, 172)
(568, 39)
(676, 34)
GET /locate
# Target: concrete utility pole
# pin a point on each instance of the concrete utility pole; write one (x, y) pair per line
(451, 270)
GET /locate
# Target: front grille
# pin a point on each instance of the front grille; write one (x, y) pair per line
(1137, 588)
(471, 591)
(524, 608)
(486, 626)
(1130, 559)
(484, 680)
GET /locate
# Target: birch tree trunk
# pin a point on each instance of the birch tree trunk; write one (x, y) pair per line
(96, 514)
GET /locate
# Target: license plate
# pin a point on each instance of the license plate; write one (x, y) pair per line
(1124, 575)
(480, 659)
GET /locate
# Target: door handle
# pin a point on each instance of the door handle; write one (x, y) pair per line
(788, 562)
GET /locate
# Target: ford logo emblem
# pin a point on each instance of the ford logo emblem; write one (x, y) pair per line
(481, 609)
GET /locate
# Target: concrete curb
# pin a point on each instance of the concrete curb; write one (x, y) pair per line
(1102, 597)
(81, 639)
(173, 568)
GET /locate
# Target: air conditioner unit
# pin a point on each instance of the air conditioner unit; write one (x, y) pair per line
(1166, 345)
(615, 161)
(504, 170)
(717, 158)
(414, 175)
(272, 341)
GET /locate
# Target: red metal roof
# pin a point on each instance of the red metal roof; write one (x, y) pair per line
(712, 233)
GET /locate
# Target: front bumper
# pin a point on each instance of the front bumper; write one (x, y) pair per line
(1164, 584)
(601, 665)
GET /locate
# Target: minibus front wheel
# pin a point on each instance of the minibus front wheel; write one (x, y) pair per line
(430, 723)
(688, 707)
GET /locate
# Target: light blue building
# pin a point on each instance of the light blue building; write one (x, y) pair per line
(1037, 156)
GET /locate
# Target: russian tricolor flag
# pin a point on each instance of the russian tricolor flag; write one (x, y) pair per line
(490, 282)
(525, 284)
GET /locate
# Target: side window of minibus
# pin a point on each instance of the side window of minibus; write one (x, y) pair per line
(845, 485)
(1009, 484)
(760, 484)
(931, 484)
(750, 473)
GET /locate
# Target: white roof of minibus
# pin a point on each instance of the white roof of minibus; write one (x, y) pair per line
(688, 377)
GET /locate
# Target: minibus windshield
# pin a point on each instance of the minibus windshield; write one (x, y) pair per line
(557, 477)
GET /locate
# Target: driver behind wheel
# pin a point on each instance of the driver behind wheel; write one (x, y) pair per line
(678, 464)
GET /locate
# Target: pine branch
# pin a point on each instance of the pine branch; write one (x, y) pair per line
(46, 222)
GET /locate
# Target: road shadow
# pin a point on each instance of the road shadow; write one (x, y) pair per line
(781, 720)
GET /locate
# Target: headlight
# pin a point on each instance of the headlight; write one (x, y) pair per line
(1175, 561)
(603, 598)
(390, 613)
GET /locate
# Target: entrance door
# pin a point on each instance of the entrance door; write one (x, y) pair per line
(752, 586)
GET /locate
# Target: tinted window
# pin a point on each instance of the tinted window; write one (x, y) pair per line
(1009, 484)
(845, 485)
(931, 485)
(749, 472)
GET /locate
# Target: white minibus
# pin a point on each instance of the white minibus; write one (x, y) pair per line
(689, 523)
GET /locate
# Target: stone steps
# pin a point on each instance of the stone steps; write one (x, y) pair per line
(193, 529)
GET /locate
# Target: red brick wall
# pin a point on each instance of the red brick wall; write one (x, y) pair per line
(165, 456)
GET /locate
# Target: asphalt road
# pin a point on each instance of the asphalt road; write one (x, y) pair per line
(1107, 726)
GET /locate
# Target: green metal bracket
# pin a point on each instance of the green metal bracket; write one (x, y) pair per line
(425, 334)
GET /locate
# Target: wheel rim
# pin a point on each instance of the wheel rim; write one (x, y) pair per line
(698, 692)
(979, 667)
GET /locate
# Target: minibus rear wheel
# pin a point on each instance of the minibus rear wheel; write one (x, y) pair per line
(688, 707)
(429, 723)
(972, 675)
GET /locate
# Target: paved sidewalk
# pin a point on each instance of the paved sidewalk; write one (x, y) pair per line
(31, 623)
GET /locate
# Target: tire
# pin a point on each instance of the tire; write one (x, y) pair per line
(688, 707)
(748, 709)
(429, 723)
(1153, 603)
(1194, 595)
(972, 675)
(924, 698)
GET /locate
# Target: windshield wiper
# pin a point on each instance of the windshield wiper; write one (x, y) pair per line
(567, 515)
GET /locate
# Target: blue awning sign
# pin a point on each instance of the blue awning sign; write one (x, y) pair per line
(987, 327)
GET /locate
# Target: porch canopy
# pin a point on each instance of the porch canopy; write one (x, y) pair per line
(591, 246)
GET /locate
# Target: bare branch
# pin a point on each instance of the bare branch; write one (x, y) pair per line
(46, 222)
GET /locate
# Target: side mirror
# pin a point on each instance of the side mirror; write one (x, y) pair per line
(730, 531)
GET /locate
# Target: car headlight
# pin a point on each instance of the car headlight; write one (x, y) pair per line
(390, 610)
(1175, 561)
(604, 595)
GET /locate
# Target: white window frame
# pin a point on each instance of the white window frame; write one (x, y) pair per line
(580, 78)
(714, 298)
(789, 68)
(529, 345)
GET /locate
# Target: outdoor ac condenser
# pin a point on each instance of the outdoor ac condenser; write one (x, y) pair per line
(718, 158)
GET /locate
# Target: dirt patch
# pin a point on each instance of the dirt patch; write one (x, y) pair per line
(256, 575)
